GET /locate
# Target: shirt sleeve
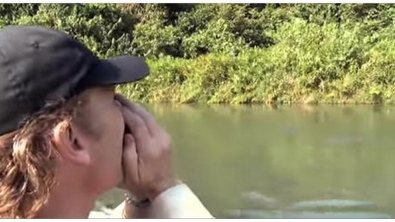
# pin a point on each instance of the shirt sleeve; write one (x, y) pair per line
(179, 202)
(176, 202)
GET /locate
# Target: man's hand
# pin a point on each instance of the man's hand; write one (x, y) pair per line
(146, 156)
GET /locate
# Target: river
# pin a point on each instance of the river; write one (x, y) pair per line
(283, 162)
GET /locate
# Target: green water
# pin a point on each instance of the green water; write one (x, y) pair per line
(284, 162)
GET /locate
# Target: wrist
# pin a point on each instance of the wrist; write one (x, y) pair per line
(134, 195)
(130, 210)
(138, 202)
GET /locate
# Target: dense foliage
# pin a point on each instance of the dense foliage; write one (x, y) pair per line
(238, 53)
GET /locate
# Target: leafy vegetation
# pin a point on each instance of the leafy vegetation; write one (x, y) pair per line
(237, 53)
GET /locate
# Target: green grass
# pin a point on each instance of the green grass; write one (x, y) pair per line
(237, 53)
(309, 63)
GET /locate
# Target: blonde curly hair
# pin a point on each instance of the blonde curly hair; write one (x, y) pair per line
(28, 160)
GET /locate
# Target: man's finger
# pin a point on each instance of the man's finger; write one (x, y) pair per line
(139, 110)
(129, 149)
(136, 125)
(130, 161)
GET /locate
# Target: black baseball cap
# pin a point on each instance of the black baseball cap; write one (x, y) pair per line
(38, 64)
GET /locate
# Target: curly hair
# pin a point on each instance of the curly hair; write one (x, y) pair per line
(28, 160)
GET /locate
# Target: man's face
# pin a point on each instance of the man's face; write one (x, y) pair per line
(105, 136)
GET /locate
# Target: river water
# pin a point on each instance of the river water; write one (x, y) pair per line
(284, 162)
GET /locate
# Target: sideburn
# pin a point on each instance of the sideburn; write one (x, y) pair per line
(82, 116)
(86, 123)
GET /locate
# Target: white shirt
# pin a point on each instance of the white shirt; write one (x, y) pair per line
(176, 202)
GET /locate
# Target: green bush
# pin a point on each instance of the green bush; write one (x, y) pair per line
(237, 53)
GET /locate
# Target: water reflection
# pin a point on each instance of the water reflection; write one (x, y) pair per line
(258, 205)
(277, 214)
(260, 162)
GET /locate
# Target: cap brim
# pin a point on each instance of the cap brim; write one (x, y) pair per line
(117, 70)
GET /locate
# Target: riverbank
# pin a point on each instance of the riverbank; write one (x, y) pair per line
(310, 64)
(238, 53)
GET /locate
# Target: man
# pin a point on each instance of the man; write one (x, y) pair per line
(66, 137)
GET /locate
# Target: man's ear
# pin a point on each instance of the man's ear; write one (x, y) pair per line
(69, 144)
